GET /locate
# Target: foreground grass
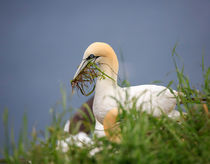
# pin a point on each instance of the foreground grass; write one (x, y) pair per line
(145, 139)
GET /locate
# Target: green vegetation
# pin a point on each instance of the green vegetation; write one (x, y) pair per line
(145, 139)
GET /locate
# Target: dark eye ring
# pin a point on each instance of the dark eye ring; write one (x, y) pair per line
(91, 56)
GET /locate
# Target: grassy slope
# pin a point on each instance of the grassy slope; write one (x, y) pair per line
(145, 139)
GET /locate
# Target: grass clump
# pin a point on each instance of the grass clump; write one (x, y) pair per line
(144, 138)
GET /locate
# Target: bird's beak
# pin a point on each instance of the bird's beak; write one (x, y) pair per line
(82, 65)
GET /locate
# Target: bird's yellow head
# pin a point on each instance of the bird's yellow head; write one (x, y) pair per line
(98, 57)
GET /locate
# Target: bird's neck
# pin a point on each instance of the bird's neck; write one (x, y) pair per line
(105, 92)
(109, 79)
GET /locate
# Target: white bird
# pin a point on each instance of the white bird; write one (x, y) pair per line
(80, 139)
(150, 98)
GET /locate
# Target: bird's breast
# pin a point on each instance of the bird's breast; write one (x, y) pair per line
(101, 105)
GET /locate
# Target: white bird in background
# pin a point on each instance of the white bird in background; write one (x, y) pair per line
(150, 98)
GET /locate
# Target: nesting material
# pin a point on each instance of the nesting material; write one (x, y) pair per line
(87, 77)
(83, 82)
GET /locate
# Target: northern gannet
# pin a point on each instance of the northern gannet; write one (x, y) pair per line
(153, 99)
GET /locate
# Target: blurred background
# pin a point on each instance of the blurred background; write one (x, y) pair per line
(42, 43)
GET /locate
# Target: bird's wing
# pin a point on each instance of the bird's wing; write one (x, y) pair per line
(153, 98)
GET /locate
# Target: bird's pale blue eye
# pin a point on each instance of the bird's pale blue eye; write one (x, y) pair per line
(91, 56)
